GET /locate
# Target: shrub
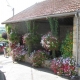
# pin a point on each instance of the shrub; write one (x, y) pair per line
(30, 38)
(38, 58)
(67, 45)
(14, 37)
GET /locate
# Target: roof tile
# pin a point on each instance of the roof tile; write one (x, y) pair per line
(48, 7)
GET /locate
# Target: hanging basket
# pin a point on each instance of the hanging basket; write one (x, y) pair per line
(49, 42)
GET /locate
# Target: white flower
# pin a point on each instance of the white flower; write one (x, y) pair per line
(48, 42)
(42, 42)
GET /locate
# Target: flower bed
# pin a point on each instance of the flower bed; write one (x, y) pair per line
(65, 66)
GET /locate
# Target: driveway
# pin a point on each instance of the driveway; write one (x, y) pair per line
(24, 71)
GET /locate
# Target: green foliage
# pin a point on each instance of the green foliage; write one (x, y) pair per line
(8, 28)
(54, 26)
(28, 23)
(67, 45)
(38, 58)
(31, 27)
(14, 37)
(32, 38)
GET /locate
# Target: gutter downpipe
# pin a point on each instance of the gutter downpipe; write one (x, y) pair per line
(77, 39)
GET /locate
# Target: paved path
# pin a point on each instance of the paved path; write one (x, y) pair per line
(17, 71)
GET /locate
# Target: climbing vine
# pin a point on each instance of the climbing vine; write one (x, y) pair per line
(54, 26)
(32, 38)
(54, 29)
(67, 45)
(8, 28)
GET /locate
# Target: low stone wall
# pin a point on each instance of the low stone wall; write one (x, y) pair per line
(28, 59)
(47, 63)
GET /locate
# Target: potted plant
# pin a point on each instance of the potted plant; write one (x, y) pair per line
(38, 58)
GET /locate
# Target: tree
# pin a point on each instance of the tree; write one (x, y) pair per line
(4, 35)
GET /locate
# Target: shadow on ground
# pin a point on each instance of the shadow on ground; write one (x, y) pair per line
(1, 53)
(48, 71)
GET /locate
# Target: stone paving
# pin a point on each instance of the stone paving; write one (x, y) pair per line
(24, 71)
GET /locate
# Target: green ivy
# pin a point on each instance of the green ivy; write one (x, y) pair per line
(54, 26)
(33, 38)
(14, 37)
(54, 29)
(67, 45)
(8, 28)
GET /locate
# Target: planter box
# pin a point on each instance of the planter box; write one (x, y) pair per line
(47, 63)
(27, 58)
(78, 69)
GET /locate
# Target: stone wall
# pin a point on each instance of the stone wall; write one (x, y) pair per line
(76, 42)
(79, 42)
(63, 30)
(20, 28)
(29, 59)
(43, 27)
(75, 38)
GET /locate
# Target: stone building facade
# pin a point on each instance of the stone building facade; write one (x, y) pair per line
(53, 8)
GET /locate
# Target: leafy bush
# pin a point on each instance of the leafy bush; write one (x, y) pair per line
(32, 39)
(67, 45)
(38, 58)
(14, 37)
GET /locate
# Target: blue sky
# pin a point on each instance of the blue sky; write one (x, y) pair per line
(18, 5)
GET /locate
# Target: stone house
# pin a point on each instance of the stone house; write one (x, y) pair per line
(67, 12)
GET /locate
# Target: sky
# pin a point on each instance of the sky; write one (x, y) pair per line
(18, 5)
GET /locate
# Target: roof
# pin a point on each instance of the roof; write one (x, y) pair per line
(44, 9)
